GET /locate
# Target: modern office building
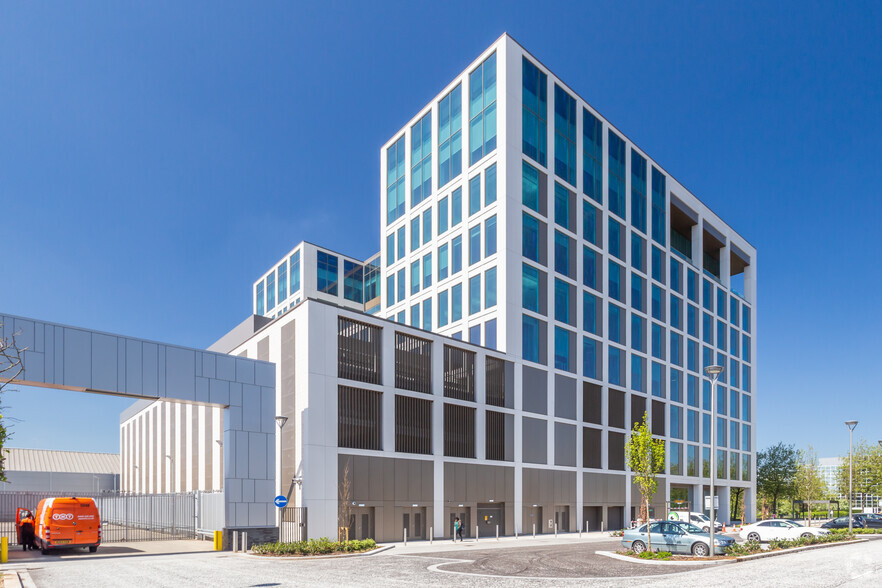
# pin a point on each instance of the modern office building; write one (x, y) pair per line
(544, 284)
(830, 466)
(310, 271)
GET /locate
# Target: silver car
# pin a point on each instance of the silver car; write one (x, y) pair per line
(676, 537)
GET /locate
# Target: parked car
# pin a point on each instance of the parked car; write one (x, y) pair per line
(778, 529)
(699, 519)
(869, 520)
(674, 536)
(842, 523)
(67, 522)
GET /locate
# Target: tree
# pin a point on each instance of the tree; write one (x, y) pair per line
(867, 470)
(10, 368)
(735, 499)
(808, 482)
(775, 470)
(646, 459)
(345, 512)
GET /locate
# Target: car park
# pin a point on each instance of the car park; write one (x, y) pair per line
(675, 537)
(778, 529)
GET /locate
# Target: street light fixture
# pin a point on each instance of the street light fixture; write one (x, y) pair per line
(713, 372)
(172, 471)
(281, 420)
(851, 425)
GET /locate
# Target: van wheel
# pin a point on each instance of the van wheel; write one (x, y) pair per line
(93, 548)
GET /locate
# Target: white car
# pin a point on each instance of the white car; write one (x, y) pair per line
(779, 529)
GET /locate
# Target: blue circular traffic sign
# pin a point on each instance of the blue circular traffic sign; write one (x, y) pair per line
(281, 501)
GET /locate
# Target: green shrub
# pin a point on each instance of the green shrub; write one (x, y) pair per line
(321, 546)
(656, 555)
(746, 548)
(619, 533)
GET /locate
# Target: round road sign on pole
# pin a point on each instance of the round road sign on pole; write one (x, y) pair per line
(281, 501)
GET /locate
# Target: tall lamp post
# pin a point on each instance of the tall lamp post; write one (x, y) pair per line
(280, 421)
(172, 471)
(851, 425)
(713, 372)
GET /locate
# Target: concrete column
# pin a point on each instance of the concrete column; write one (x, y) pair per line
(439, 500)
(723, 516)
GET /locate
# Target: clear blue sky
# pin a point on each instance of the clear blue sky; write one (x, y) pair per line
(156, 158)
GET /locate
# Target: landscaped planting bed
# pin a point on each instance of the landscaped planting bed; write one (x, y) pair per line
(748, 548)
(323, 546)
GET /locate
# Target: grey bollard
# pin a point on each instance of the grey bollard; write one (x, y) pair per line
(235, 541)
(405, 537)
(431, 535)
(534, 530)
(244, 541)
(477, 532)
(497, 532)
(555, 530)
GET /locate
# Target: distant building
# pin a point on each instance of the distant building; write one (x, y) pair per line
(829, 467)
(42, 470)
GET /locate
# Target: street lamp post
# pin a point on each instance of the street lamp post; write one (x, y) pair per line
(713, 372)
(851, 425)
(172, 471)
(280, 421)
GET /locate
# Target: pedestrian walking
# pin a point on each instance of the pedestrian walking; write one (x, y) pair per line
(457, 527)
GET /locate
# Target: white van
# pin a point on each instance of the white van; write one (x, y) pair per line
(698, 519)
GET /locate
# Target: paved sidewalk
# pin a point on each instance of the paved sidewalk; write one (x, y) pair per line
(440, 545)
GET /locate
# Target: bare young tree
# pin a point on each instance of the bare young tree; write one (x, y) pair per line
(345, 502)
(11, 368)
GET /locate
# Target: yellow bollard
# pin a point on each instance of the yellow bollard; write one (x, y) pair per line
(4, 549)
(218, 540)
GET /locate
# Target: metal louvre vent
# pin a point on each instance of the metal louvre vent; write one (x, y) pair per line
(459, 431)
(413, 425)
(359, 351)
(413, 363)
(359, 418)
(459, 373)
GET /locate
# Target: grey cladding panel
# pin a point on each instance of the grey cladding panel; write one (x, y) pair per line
(535, 441)
(564, 397)
(535, 390)
(564, 444)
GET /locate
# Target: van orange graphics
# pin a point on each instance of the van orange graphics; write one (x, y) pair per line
(63, 523)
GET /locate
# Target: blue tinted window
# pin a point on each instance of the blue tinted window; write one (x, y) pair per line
(638, 191)
(456, 303)
(427, 314)
(260, 299)
(401, 285)
(637, 336)
(442, 262)
(421, 160)
(475, 334)
(658, 307)
(658, 265)
(676, 276)
(427, 226)
(707, 328)
(490, 236)
(692, 320)
(443, 304)
(482, 109)
(450, 136)
(295, 272)
(658, 207)
(535, 112)
(734, 373)
(676, 391)
(745, 378)
(490, 334)
(530, 338)
(283, 281)
(415, 233)
(589, 267)
(564, 135)
(474, 244)
(637, 378)
(562, 206)
(390, 290)
(490, 288)
(590, 216)
(658, 341)
(530, 287)
(327, 273)
(475, 294)
(427, 270)
(456, 207)
(615, 363)
(691, 355)
(676, 349)
(490, 185)
(745, 319)
(592, 156)
(590, 355)
(692, 285)
(390, 249)
(353, 281)
(615, 282)
(530, 186)
(271, 291)
(415, 315)
(616, 239)
(561, 301)
(455, 255)
(676, 311)
(415, 277)
(733, 310)
(657, 386)
(402, 242)
(616, 176)
(638, 292)
(561, 349)
(721, 335)
(474, 195)
(692, 426)
(745, 348)
(707, 295)
(721, 303)
(561, 253)
(638, 252)
(531, 237)
(395, 180)
(615, 324)
(442, 215)
(692, 391)
(589, 313)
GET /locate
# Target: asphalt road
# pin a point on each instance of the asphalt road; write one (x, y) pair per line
(465, 565)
